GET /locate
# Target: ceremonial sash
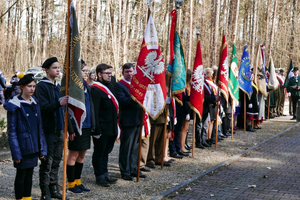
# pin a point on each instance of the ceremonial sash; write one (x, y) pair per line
(214, 86)
(280, 80)
(146, 121)
(207, 89)
(114, 100)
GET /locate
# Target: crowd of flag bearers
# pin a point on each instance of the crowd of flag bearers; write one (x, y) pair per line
(148, 111)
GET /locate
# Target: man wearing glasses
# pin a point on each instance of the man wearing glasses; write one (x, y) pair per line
(106, 114)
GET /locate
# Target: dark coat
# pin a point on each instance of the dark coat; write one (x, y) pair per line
(209, 101)
(49, 105)
(292, 82)
(18, 127)
(130, 111)
(105, 112)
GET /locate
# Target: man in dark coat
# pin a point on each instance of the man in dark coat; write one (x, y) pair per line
(106, 114)
(130, 119)
(47, 92)
(294, 87)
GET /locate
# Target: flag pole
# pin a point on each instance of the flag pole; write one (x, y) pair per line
(66, 111)
(193, 139)
(245, 112)
(232, 118)
(216, 137)
(142, 119)
(269, 105)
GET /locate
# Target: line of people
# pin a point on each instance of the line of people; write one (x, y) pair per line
(36, 123)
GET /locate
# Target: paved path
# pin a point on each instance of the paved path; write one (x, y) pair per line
(272, 170)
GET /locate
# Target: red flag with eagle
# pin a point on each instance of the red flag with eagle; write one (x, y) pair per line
(197, 92)
(148, 86)
(223, 70)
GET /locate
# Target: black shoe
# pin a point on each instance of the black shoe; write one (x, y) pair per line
(272, 117)
(187, 147)
(293, 118)
(54, 192)
(176, 155)
(45, 193)
(166, 164)
(141, 175)
(127, 177)
(182, 153)
(103, 182)
(208, 141)
(222, 136)
(151, 165)
(111, 180)
(170, 161)
(200, 146)
(250, 129)
(145, 169)
(228, 134)
(205, 144)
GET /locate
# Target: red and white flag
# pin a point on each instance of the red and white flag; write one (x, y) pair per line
(148, 86)
(223, 70)
(197, 89)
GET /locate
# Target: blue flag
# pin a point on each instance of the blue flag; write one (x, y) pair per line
(245, 81)
(177, 69)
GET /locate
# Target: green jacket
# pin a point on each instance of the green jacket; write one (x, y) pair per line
(292, 82)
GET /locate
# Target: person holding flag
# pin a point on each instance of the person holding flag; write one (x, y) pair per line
(80, 143)
(47, 92)
(106, 118)
(130, 122)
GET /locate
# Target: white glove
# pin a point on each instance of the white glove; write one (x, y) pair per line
(258, 103)
(175, 121)
(168, 101)
(97, 136)
(168, 118)
(250, 105)
(187, 117)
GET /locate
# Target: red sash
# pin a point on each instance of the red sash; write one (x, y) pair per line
(280, 80)
(114, 100)
(214, 87)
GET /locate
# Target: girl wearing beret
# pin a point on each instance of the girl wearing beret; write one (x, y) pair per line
(25, 135)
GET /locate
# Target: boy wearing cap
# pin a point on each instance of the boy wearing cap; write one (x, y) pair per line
(294, 87)
(47, 93)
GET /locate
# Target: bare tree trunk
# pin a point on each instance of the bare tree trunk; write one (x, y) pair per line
(191, 36)
(215, 40)
(254, 29)
(273, 28)
(44, 35)
(293, 26)
(236, 19)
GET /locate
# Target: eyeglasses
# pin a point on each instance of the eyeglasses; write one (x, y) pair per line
(107, 73)
(85, 71)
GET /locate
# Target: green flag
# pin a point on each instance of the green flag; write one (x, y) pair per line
(233, 83)
(76, 103)
(289, 74)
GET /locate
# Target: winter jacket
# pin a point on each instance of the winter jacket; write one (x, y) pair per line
(18, 127)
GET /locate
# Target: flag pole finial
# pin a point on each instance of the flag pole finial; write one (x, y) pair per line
(149, 3)
(198, 32)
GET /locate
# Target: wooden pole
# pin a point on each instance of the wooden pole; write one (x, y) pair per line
(232, 119)
(193, 139)
(66, 111)
(165, 136)
(269, 105)
(216, 137)
(245, 112)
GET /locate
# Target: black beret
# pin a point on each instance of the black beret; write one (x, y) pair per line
(28, 78)
(281, 70)
(295, 69)
(49, 62)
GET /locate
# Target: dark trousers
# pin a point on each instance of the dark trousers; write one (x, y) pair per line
(50, 164)
(102, 147)
(295, 101)
(23, 183)
(225, 123)
(201, 127)
(174, 145)
(156, 144)
(129, 149)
